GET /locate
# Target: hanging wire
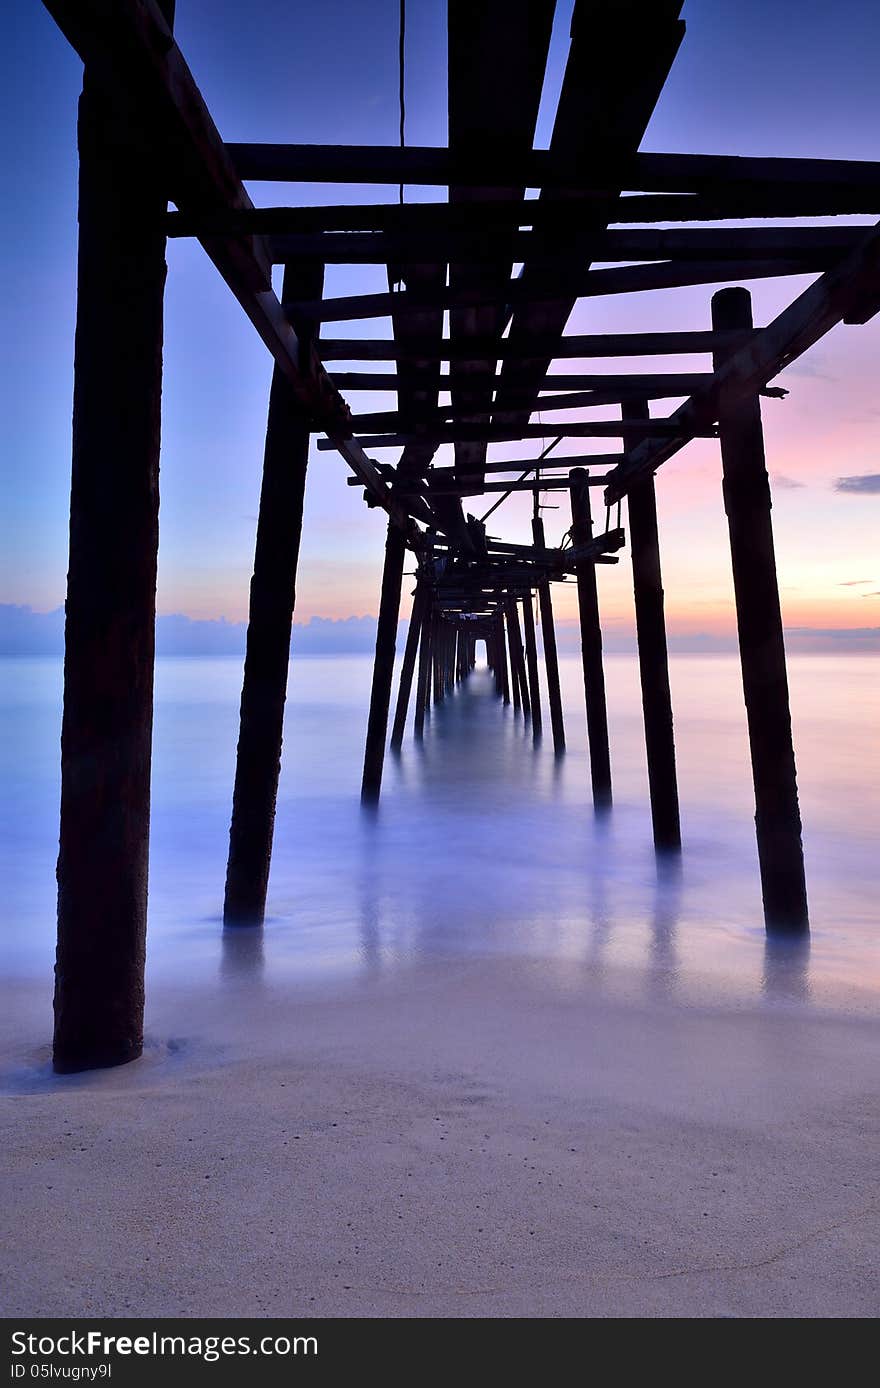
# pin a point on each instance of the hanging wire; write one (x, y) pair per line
(534, 468)
(401, 93)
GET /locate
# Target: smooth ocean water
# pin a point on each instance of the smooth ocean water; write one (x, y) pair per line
(483, 844)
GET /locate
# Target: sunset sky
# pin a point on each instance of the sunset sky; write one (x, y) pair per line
(784, 77)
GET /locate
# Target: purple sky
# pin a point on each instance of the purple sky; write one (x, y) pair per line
(773, 78)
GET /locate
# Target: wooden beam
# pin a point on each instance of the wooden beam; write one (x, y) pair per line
(548, 467)
(474, 487)
(818, 246)
(558, 348)
(656, 387)
(604, 108)
(579, 284)
(392, 420)
(471, 231)
(849, 293)
(278, 163)
(747, 204)
(409, 231)
(499, 433)
(695, 173)
(497, 53)
(443, 475)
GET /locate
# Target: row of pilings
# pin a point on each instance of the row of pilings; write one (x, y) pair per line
(110, 618)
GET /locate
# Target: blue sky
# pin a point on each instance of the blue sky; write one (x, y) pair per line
(780, 77)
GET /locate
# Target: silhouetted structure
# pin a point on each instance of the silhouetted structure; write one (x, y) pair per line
(146, 138)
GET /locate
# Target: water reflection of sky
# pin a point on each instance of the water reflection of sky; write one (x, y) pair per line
(484, 845)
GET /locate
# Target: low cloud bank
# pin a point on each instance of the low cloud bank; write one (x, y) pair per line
(24, 632)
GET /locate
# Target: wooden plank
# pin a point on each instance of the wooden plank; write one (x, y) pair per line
(618, 62)
(497, 55)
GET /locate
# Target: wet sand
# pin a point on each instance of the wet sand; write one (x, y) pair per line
(476, 1138)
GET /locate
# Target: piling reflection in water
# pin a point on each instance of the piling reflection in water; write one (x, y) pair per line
(786, 969)
(242, 954)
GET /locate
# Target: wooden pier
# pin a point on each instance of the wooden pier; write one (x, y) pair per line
(147, 139)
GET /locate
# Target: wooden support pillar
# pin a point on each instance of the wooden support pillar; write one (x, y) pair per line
(551, 658)
(423, 683)
(408, 667)
(514, 672)
(270, 616)
(437, 658)
(517, 659)
(501, 646)
(653, 659)
(591, 642)
(496, 661)
(532, 663)
(383, 665)
(443, 654)
(106, 733)
(762, 648)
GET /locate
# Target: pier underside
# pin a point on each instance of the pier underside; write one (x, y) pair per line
(473, 348)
